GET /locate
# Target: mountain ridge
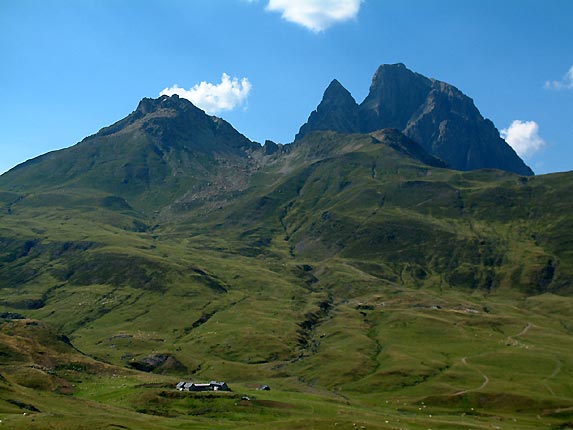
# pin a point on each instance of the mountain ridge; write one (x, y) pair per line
(165, 143)
(345, 270)
(169, 152)
(434, 114)
(437, 115)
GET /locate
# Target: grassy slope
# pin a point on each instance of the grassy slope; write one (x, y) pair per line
(355, 279)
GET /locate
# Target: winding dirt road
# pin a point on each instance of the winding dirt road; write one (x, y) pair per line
(483, 375)
(484, 383)
(522, 332)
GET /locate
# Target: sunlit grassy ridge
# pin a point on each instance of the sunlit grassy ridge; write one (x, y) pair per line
(368, 289)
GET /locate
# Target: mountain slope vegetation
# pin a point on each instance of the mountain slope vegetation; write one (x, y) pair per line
(366, 282)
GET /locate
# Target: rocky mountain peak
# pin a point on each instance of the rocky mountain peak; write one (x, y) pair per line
(434, 114)
(337, 93)
(175, 121)
(150, 110)
(338, 111)
(174, 102)
(394, 94)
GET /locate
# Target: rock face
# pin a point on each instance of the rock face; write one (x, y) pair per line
(438, 116)
(337, 111)
(396, 94)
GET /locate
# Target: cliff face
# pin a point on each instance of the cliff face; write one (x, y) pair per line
(435, 114)
(338, 111)
(395, 95)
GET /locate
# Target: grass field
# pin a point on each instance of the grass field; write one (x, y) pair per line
(402, 358)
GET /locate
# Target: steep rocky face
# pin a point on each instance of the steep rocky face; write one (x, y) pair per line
(338, 111)
(435, 114)
(395, 94)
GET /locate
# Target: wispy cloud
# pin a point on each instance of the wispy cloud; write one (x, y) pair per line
(523, 137)
(316, 15)
(214, 98)
(564, 84)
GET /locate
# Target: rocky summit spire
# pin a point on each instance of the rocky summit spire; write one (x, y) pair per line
(436, 115)
(394, 94)
(338, 111)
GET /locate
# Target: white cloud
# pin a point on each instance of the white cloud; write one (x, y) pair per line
(564, 84)
(316, 15)
(214, 98)
(523, 137)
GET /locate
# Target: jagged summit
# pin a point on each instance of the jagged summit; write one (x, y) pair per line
(175, 120)
(438, 116)
(335, 89)
(336, 95)
(337, 112)
(164, 106)
(147, 104)
(395, 93)
(167, 105)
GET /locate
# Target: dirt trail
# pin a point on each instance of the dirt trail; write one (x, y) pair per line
(483, 385)
(559, 410)
(512, 340)
(555, 372)
(484, 376)
(522, 332)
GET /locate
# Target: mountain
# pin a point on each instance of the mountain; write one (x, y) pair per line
(337, 111)
(436, 115)
(167, 149)
(354, 273)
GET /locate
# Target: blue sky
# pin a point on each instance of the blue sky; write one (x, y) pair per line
(69, 68)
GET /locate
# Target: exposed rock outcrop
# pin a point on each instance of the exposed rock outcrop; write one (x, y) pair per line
(438, 116)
